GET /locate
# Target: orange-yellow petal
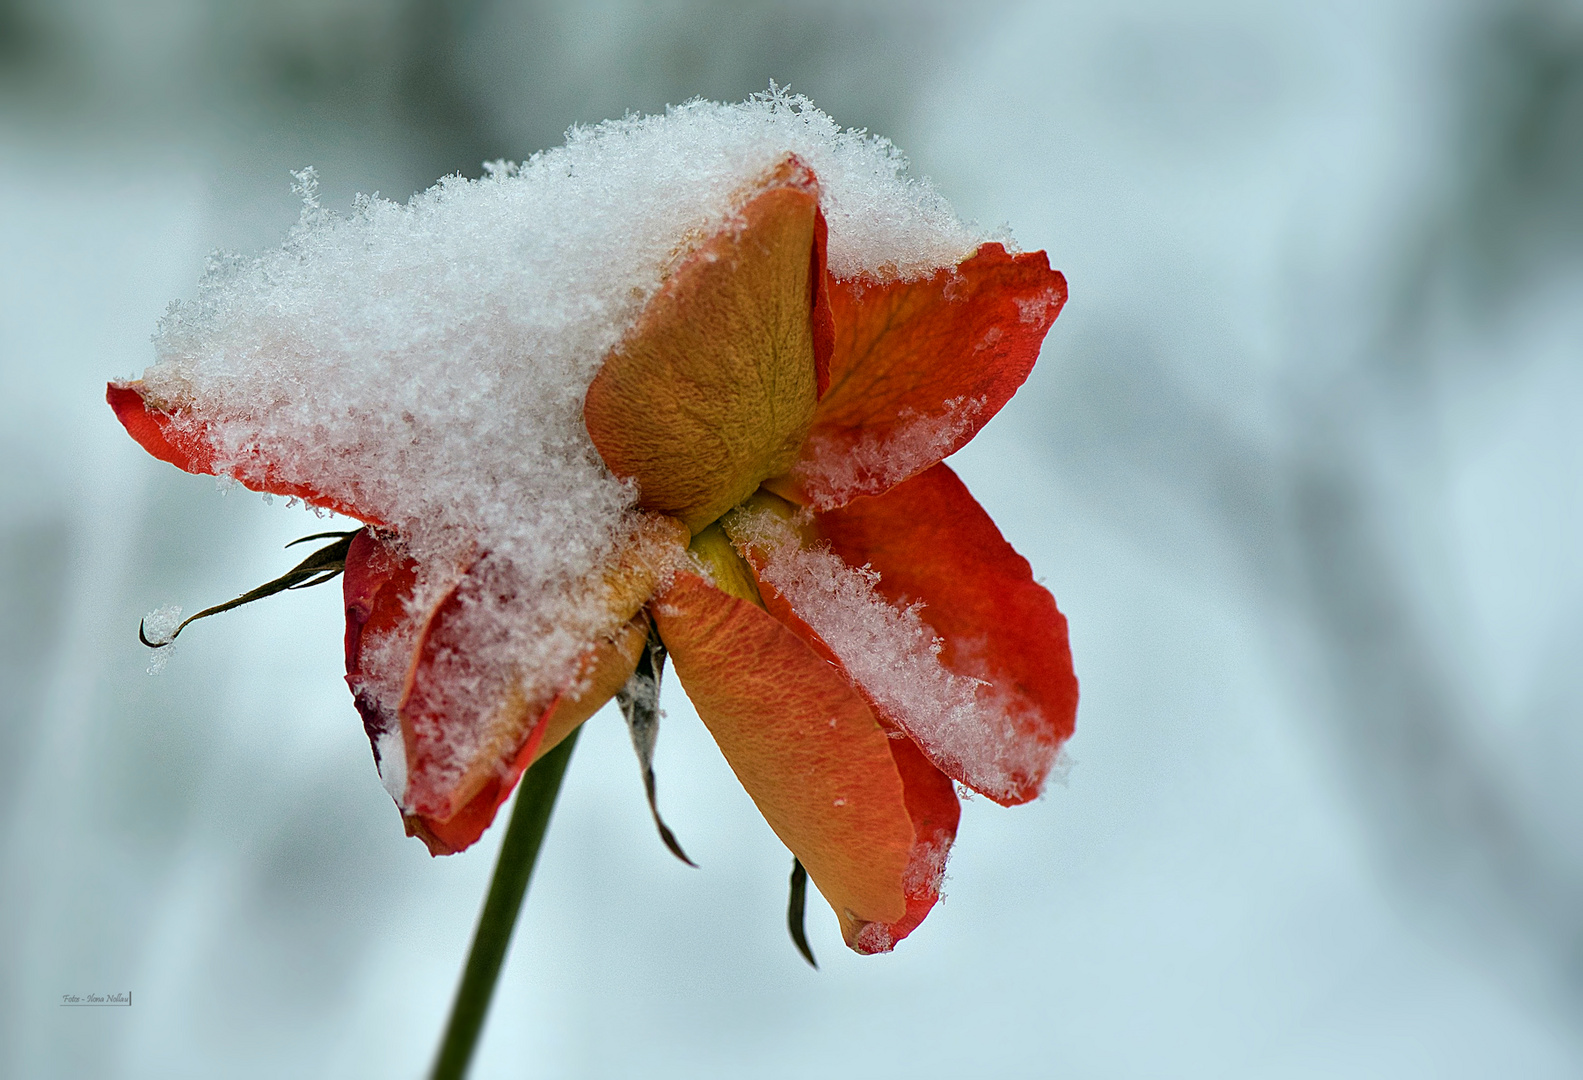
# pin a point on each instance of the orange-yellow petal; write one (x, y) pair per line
(714, 389)
(918, 367)
(803, 743)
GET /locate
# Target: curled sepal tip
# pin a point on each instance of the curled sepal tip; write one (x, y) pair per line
(796, 910)
(640, 704)
(323, 565)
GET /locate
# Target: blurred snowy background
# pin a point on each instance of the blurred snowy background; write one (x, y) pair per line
(1301, 462)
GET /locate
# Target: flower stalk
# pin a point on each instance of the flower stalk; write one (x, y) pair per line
(518, 853)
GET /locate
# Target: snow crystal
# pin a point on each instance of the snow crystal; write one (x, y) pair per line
(160, 626)
(835, 469)
(161, 657)
(427, 362)
(968, 729)
(393, 763)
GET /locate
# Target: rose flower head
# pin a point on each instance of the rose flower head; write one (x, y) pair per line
(682, 386)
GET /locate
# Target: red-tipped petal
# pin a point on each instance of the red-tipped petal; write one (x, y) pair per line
(466, 710)
(918, 367)
(933, 807)
(803, 743)
(473, 716)
(188, 448)
(604, 670)
(149, 427)
(931, 542)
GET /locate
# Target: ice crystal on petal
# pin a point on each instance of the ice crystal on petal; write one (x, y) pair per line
(837, 469)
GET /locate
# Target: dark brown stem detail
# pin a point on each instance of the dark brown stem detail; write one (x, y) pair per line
(796, 908)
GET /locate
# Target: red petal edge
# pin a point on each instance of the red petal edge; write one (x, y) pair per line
(149, 428)
(823, 316)
(191, 451)
(935, 812)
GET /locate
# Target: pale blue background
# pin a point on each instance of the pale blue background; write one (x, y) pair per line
(1301, 462)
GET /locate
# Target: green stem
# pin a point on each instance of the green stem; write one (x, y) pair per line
(518, 852)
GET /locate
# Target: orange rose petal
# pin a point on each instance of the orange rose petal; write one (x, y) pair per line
(930, 541)
(604, 670)
(190, 451)
(802, 742)
(713, 390)
(933, 807)
(469, 726)
(918, 367)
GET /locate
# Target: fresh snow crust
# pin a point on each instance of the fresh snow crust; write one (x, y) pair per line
(427, 362)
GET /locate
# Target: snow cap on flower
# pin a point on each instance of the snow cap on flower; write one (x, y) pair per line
(424, 364)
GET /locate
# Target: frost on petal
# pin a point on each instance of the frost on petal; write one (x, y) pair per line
(605, 667)
(891, 652)
(459, 694)
(934, 550)
(487, 665)
(837, 468)
(918, 367)
(467, 706)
